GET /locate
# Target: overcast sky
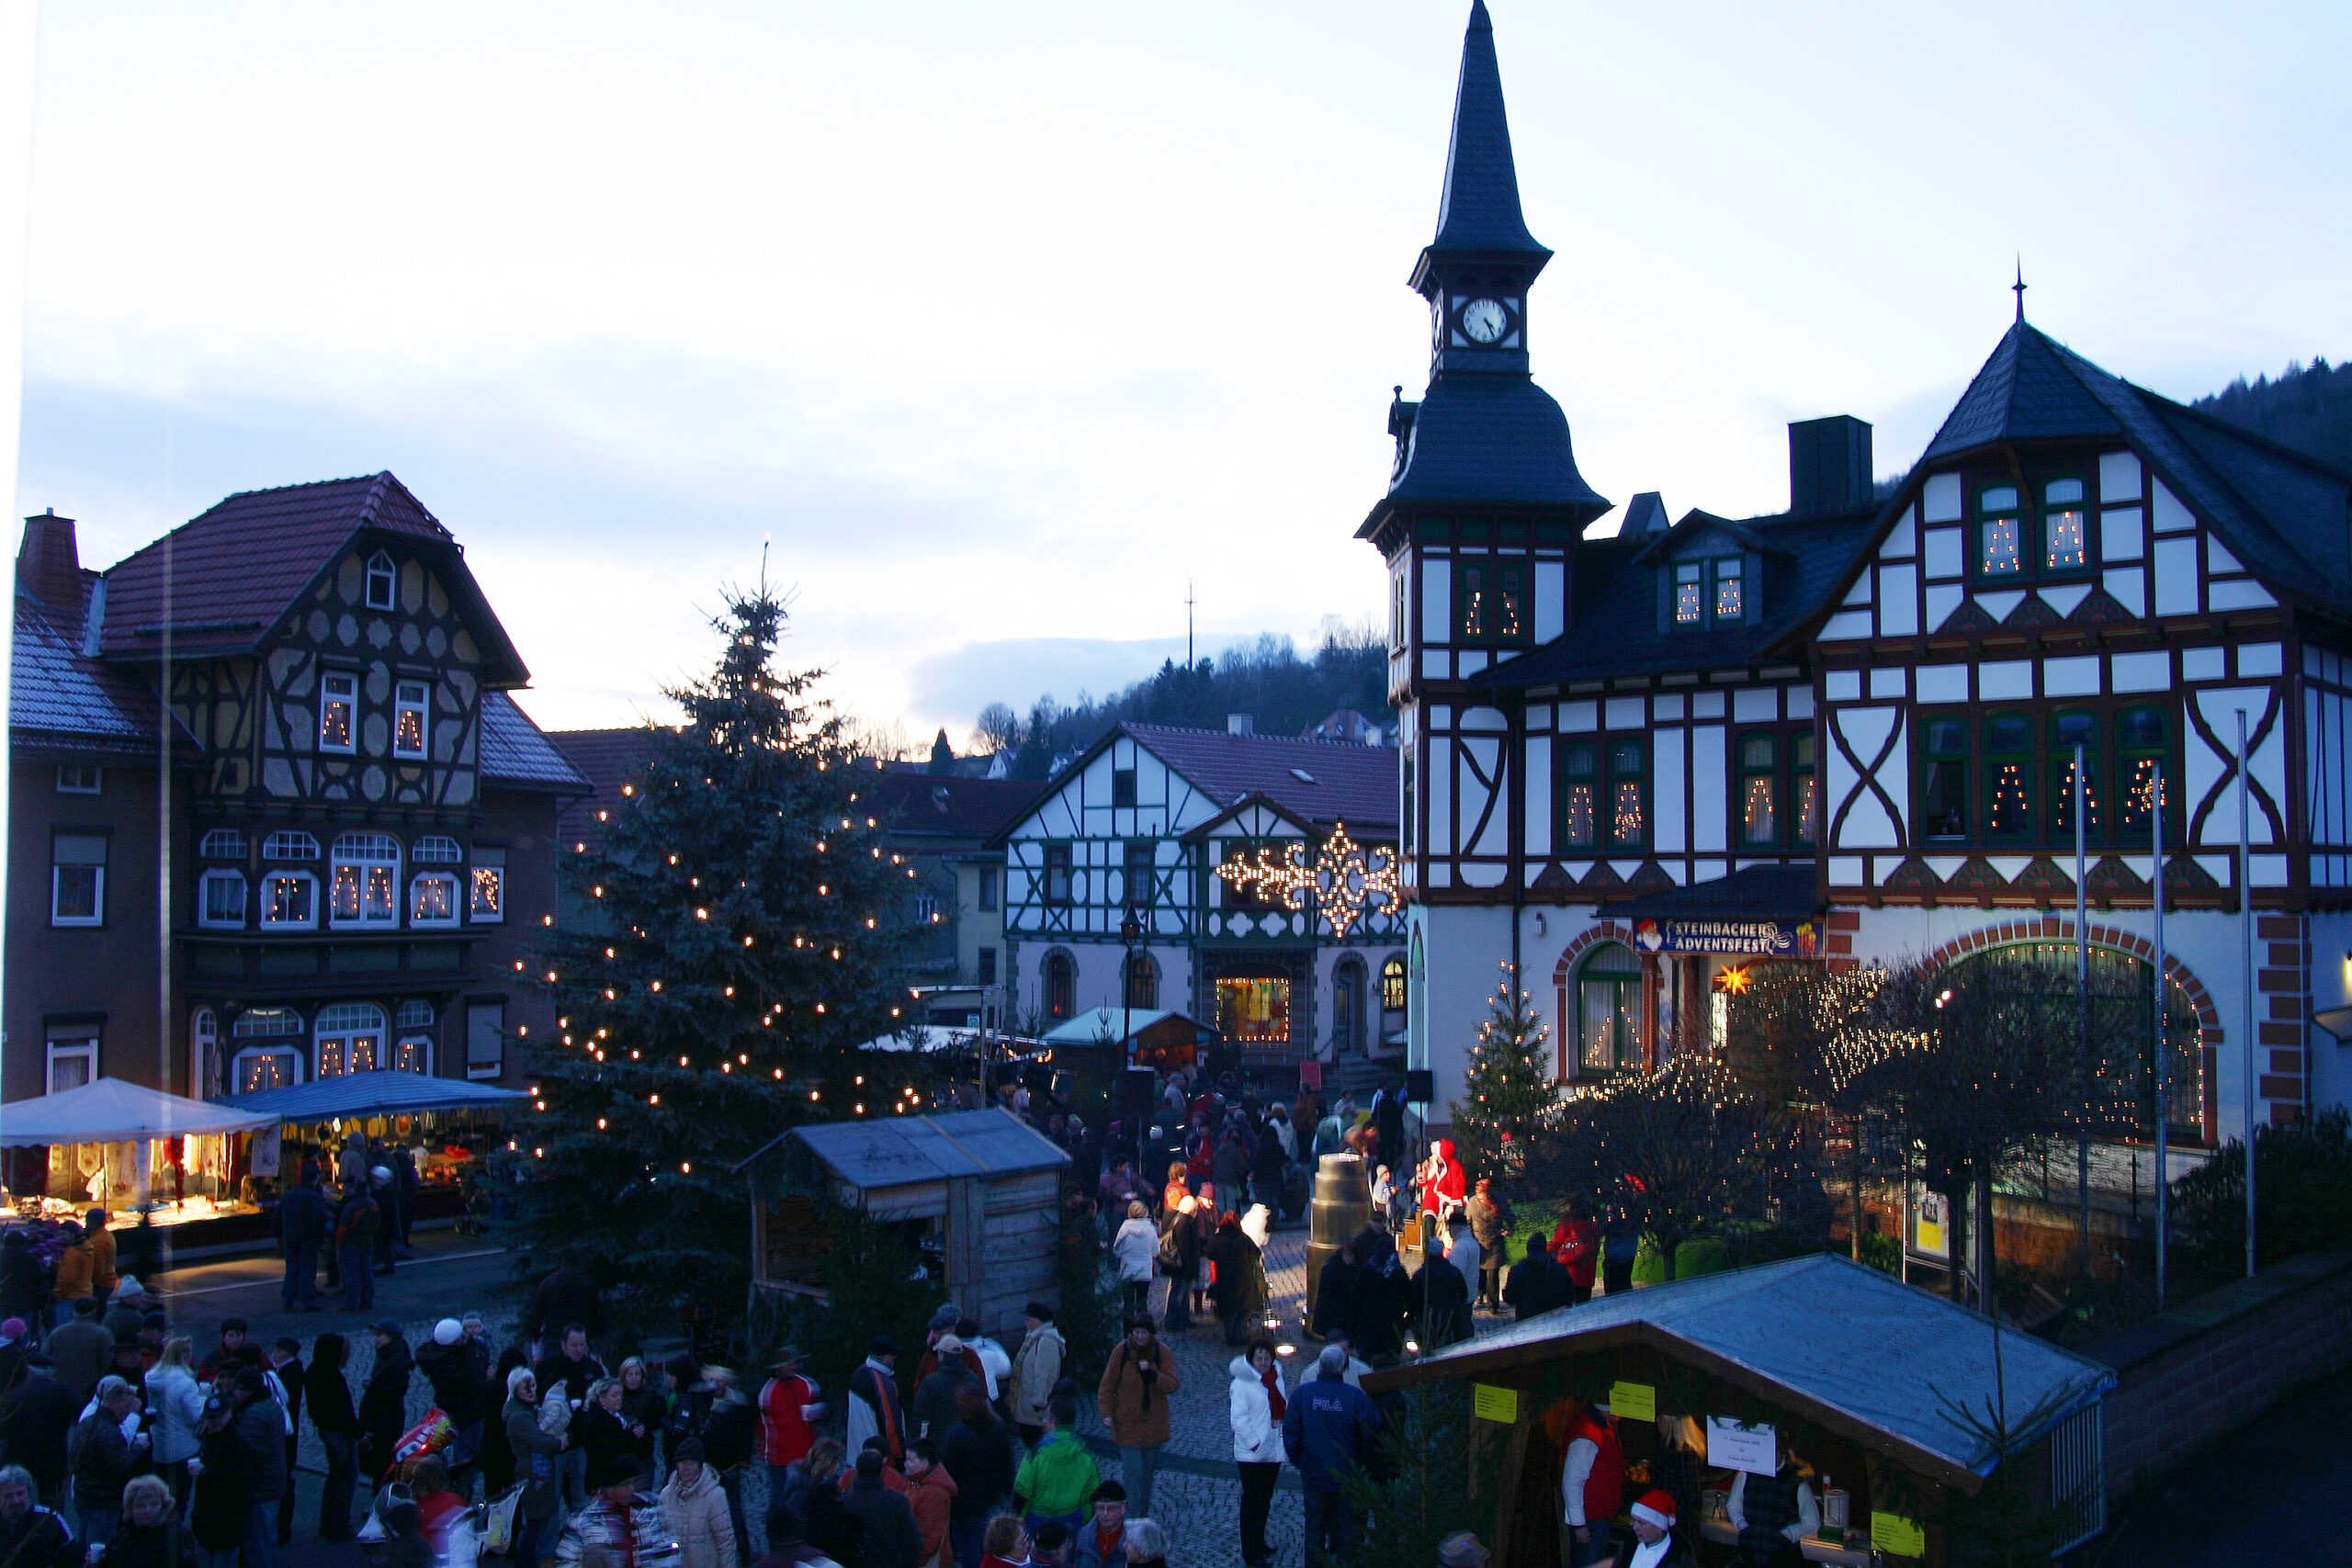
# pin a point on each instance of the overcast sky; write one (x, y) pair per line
(1003, 322)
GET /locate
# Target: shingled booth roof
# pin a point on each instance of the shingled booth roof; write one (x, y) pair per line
(1867, 1358)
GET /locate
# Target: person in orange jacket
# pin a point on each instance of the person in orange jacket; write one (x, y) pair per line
(930, 1492)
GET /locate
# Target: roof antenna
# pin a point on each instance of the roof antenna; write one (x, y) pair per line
(2018, 288)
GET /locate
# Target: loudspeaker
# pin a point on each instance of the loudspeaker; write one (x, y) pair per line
(1420, 1086)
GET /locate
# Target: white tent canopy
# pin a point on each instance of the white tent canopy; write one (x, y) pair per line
(113, 1111)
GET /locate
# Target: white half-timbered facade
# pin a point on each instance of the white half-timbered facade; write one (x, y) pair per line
(1848, 732)
(1293, 966)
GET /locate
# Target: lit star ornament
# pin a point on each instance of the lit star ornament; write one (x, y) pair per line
(1344, 883)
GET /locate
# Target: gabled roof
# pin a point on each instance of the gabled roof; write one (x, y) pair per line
(2287, 514)
(517, 752)
(1614, 627)
(1861, 1353)
(1479, 211)
(1114, 1024)
(902, 1151)
(1253, 799)
(1355, 784)
(608, 759)
(945, 805)
(58, 698)
(224, 579)
(1662, 545)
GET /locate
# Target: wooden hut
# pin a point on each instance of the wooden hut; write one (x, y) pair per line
(981, 1189)
(1855, 1371)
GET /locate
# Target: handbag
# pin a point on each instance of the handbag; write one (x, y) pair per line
(498, 1522)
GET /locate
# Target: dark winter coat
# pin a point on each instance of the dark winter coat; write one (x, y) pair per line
(605, 1435)
(22, 1291)
(383, 1406)
(978, 1455)
(1337, 1300)
(223, 1507)
(731, 1433)
(303, 1217)
(34, 1423)
(535, 1459)
(40, 1539)
(329, 1394)
(566, 1296)
(1443, 1297)
(104, 1461)
(1329, 1427)
(561, 1377)
(459, 1374)
(264, 1430)
(936, 1400)
(887, 1537)
(167, 1544)
(1536, 1284)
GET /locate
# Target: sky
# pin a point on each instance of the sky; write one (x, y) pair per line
(991, 332)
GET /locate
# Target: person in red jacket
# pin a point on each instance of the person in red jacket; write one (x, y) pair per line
(1592, 1482)
(1577, 1244)
(788, 1411)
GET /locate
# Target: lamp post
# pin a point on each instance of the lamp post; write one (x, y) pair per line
(1130, 932)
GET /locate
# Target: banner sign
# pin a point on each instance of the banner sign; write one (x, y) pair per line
(1743, 939)
(1731, 1445)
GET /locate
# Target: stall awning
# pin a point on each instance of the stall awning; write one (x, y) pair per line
(113, 1111)
(386, 1093)
(1860, 1352)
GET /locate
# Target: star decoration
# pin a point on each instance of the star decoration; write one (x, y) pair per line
(1344, 883)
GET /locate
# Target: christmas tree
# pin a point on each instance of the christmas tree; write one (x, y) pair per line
(1508, 1109)
(745, 934)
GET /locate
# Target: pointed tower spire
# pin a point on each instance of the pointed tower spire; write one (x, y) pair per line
(1480, 208)
(2020, 287)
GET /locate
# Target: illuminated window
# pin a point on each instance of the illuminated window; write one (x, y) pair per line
(1689, 593)
(486, 887)
(1944, 800)
(221, 898)
(433, 899)
(2008, 776)
(1609, 1010)
(1493, 601)
(2068, 730)
(289, 898)
(410, 700)
(1628, 787)
(1392, 985)
(350, 1039)
(365, 879)
(2143, 745)
(383, 582)
(1579, 786)
(1252, 1010)
(1061, 985)
(338, 700)
(414, 1050)
(273, 1059)
(2000, 533)
(1476, 602)
(1729, 582)
(1808, 789)
(2066, 526)
(1758, 783)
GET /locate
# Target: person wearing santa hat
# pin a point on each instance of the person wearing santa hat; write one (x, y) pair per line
(1652, 1545)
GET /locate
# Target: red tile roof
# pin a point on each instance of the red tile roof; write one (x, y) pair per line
(1344, 782)
(931, 803)
(606, 759)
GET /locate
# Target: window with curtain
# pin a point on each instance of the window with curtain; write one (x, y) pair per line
(1808, 788)
(1628, 793)
(1579, 796)
(1137, 876)
(350, 1039)
(366, 869)
(1057, 874)
(338, 704)
(2143, 745)
(2008, 776)
(2069, 728)
(1759, 822)
(2066, 526)
(1143, 981)
(1609, 1010)
(1943, 795)
(2000, 533)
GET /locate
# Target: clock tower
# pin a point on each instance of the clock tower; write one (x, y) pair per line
(1478, 528)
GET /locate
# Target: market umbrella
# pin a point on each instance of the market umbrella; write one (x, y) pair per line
(113, 1111)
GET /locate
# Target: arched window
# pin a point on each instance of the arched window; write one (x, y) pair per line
(383, 582)
(268, 1049)
(1392, 1001)
(366, 873)
(1143, 981)
(204, 1050)
(1609, 1010)
(350, 1039)
(1061, 987)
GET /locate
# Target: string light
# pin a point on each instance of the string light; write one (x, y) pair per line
(1344, 883)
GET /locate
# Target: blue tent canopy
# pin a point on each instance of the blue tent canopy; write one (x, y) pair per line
(389, 1092)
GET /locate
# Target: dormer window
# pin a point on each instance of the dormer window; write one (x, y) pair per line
(1710, 592)
(383, 582)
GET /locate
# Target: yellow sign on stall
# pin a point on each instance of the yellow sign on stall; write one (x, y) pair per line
(1893, 1532)
(1488, 1403)
(1633, 1401)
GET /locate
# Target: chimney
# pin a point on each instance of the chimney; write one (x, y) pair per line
(1830, 465)
(1240, 723)
(48, 567)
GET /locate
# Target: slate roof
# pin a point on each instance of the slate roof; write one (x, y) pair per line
(225, 578)
(904, 1150)
(1498, 438)
(1351, 783)
(606, 759)
(517, 752)
(1479, 211)
(2287, 516)
(937, 804)
(58, 698)
(1615, 632)
(1754, 893)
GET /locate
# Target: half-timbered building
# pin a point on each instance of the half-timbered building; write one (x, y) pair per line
(1258, 872)
(273, 815)
(1850, 731)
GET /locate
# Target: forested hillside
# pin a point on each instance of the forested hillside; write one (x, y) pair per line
(2308, 407)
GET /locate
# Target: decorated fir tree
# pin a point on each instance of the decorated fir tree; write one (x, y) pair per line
(1509, 1108)
(745, 935)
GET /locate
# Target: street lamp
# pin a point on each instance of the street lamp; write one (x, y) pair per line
(1130, 932)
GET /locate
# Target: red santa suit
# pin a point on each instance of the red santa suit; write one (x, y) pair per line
(1445, 1188)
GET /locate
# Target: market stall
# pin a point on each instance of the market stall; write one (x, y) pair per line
(454, 1121)
(978, 1192)
(131, 1150)
(1846, 1374)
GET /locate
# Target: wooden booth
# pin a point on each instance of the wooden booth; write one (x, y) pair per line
(978, 1192)
(1844, 1371)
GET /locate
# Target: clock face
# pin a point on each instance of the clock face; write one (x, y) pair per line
(1484, 321)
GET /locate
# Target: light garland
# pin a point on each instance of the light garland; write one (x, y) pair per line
(1345, 883)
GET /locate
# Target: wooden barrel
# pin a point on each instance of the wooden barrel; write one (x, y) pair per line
(1342, 1207)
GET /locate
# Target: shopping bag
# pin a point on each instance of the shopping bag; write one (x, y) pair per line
(498, 1525)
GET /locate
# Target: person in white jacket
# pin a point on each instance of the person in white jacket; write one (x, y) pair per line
(1256, 1406)
(1035, 1371)
(1134, 1247)
(176, 1400)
